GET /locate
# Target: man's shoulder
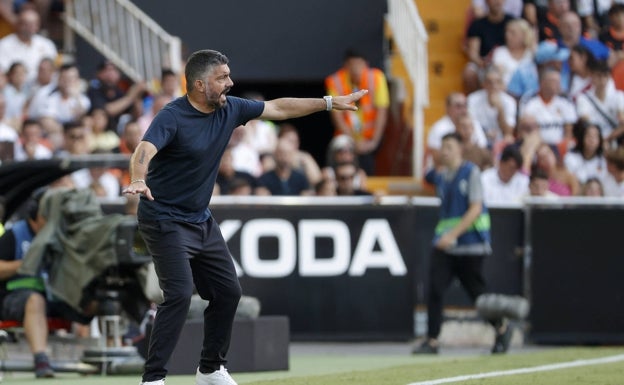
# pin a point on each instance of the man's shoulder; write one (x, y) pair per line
(442, 124)
(534, 101)
(562, 101)
(485, 23)
(573, 158)
(7, 132)
(440, 128)
(9, 40)
(42, 41)
(508, 98)
(268, 176)
(519, 179)
(527, 68)
(490, 174)
(298, 175)
(240, 104)
(477, 95)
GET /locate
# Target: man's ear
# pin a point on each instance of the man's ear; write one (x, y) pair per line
(199, 85)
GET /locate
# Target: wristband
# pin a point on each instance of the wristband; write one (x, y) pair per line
(138, 180)
(328, 101)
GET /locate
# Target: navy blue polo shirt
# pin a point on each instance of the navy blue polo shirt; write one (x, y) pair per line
(190, 143)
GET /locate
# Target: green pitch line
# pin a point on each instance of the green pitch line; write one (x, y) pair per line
(522, 371)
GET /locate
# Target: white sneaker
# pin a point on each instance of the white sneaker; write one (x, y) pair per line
(218, 377)
(157, 382)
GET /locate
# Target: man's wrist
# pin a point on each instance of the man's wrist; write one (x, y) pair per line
(138, 181)
(328, 102)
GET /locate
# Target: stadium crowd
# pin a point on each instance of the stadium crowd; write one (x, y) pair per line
(48, 110)
(541, 113)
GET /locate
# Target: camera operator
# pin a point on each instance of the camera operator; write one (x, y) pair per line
(22, 297)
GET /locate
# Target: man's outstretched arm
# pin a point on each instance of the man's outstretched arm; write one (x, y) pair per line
(287, 108)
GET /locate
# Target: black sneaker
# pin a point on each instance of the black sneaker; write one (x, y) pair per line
(501, 344)
(425, 348)
(43, 370)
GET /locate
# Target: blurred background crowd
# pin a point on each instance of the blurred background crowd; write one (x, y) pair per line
(541, 112)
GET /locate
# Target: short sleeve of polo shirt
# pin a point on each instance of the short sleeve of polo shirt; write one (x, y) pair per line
(475, 188)
(162, 130)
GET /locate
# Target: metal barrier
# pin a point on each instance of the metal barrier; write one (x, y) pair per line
(125, 35)
(411, 38)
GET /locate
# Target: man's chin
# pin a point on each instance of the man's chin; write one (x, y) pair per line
(219, 103)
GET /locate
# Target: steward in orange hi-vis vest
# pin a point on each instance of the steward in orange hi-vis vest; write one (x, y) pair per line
(360, 124)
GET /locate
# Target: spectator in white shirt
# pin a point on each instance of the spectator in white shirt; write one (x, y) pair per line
(581, 61)
(31, 142)
(25, 45)
(8, 136)
(518, 48)
(67, 103)
(505, 184)
(493, 108)
(614, 181)
(43, 86)
(585, 161)
(555, 115)
(16, 94)
(456, 107)
(245, 157)
(603, 104)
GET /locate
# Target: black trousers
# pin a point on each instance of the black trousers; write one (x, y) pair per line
(443, 268)
(185, 254)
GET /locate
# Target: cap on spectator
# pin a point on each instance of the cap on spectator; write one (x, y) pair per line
(549, 51)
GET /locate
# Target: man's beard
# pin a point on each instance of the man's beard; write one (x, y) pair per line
(215, 102)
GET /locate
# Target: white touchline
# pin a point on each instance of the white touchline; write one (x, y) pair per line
(534, 369)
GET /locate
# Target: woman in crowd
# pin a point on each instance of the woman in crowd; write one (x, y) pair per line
(581, 61)
(585, 160)
(593, 188)
(560, 181)
(519, 47)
